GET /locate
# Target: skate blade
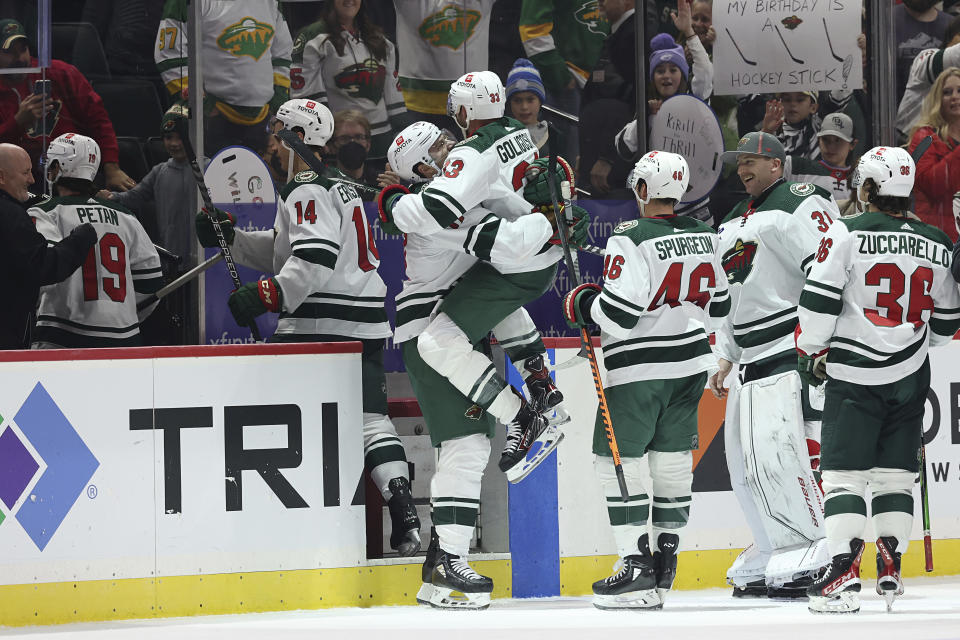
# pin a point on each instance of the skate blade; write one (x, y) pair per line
(843, 602)
(445, 598)
(890, 596)
(539, 451)
(560, 416)
(410, 544)
(648, 599)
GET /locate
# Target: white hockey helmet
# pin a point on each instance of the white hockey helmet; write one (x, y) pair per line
(314, 118)
(481, 93)
(76, 156)
(891, 169)
(665, 174)
(411, 147)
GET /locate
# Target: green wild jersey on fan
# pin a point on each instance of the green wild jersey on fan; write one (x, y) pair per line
(879, 292)
(97, 305)
(766, 247)
(325, 260)
(663, 284)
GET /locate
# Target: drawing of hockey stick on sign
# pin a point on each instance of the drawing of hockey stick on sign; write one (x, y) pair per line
(829, 42)
(750, 62)
(789, 53)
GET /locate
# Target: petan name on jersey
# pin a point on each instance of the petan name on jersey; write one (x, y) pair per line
(903, 244)
(97, 214)
(670, 248)
(514, 146)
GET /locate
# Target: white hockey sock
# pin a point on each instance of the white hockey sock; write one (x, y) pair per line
(455, 490)
(628, 519)
(892, 504)
(383, 453)
(672, 475)
(518, 336)
(845, 510)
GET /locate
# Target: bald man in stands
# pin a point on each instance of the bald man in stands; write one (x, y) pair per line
(27, 262)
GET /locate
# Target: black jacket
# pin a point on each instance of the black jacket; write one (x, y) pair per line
(27, 264)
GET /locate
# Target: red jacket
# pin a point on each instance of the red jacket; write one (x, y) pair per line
(79, 110)
(938, 178)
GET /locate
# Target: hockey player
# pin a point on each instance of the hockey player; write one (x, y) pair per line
(878, 295)
(326, 288)
(487, 168)
(767, 244)
(662, 282)
(458, 427)
(97, 305)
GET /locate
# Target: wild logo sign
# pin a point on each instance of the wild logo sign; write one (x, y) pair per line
(58, 453)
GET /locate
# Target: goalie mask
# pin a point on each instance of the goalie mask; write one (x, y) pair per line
(73, 156)
(665, 174)
(419, 143)
(311, 116)
(482, 95)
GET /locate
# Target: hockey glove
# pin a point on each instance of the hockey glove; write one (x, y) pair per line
(576, 304)
(255, 298)
(813, 369)
(577, 231)
(537, 191)
(207, 235)
(386, 201)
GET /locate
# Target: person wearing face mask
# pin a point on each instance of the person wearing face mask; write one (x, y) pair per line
(349, 147)
(919, 25)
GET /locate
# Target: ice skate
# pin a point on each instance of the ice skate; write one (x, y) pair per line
(405, 524)
(665, 562)
(426, 571)
(530, 439)
(747, 573)
(544, 395)
(838, 590)
(792, 590)
(454, 584)
(634, 586)
(889, 584)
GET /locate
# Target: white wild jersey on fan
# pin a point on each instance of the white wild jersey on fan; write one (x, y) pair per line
(662, 284)
(879, 292)
(325, 260)
(97, 305)
(766, 247)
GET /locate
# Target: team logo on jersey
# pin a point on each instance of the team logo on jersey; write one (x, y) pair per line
(474, 413)
(802, 188)
(246, 38)
(36, 130)
(450, 27)
(363, 80)
(590, 16)
(626, 224)
(738, 261)
(305, 176)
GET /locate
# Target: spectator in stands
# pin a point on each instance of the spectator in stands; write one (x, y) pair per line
(349, 146)
(28, 263)
(924, 70)
(72, 106)
(345, 62)
(920, 25)
(837, 160)
(792, 117)
(525, 96)
(246, 53)
(126, 28)
(702, 15)
(938, 171)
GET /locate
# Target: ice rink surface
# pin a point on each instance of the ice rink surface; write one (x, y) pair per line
(930, 610)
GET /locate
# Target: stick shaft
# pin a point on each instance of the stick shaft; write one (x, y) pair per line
(179, 282)
(925, 503)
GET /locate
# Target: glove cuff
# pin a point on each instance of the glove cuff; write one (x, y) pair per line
(580, 300)
(386, 199)
(270, 294)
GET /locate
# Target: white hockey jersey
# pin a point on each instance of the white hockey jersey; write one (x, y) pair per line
(97, 305)
(879, 292)
(663, 283)
(767, 245)
(246, 53)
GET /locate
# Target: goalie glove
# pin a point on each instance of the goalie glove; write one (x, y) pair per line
(207, 235)
(537, 191)
(577, 302)
(386, 201)
(812, 368)
(254, 299)
(577, 230)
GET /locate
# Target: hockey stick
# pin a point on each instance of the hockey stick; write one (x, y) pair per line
(167, 289)
(827, 31)
(560, 113)
(294, 142)
(789, 53)
(208, 205)
(167, 255)
(587, 342)
(924, 501)
(750, 62)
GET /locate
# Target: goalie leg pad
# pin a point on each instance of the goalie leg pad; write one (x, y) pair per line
(628, 519)
(799, 563)
(845, 507)
(383, 453)
(455, 490)
(776, 460)
(892, 505)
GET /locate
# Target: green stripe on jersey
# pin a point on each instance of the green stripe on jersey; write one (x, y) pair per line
(482, 236)
(332, 310)
(820, 303)
(657, 355)
(441, 207)
(720, 309)
(841, 355)
(618, 315)
(72, 340)
(322, 257)
(765, 319)
(763, 336)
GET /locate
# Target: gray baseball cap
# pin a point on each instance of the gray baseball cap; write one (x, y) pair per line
(756, 143)
(837, 124)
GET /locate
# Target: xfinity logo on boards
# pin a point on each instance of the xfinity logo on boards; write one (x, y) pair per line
(268, 463)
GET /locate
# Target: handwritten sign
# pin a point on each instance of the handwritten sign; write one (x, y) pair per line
(688, 126)
(768, 46)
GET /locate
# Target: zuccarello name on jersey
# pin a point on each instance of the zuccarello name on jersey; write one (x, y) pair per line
(904, 244)
(683, 246)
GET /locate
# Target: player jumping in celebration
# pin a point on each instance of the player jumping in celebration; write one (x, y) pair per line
(767, 244)
(878, 295)
(326, 289)
(97, 305)
(662, 283)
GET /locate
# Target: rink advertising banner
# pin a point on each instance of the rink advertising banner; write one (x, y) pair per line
(767, 46)
(175, 461)
(686, 125)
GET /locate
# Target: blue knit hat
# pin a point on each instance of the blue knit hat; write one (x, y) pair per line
(664, 49)
(525, 77)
